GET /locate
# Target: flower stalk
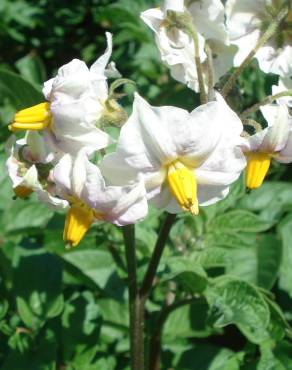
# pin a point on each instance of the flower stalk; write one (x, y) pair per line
(183, 22)
(271, 30)
(267, 100)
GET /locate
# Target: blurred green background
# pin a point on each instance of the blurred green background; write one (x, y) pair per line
(67, 310)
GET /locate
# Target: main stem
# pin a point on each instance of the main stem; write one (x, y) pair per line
(136, 321)
(137, 298)
(155, 258)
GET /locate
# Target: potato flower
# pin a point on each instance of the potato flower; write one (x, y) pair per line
(75, 103)
(89, 199)
(186, 159)
(29, 168)
(247, 20)
(177, 48)
(274, 142)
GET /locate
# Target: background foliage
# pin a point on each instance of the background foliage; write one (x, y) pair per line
(67, 310)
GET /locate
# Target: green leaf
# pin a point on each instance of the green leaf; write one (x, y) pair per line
(209, 357)
(32, 68)
(41, 355)
(268, 361)
(238, 221)
(237, 302)
(23, 214)
(37, 285)
(187, 273)
(271, 200)
(97, 264)
(81, 322)
(278, 325)
(188, 321)
(20, 92)
(258, 264)
(285, 231)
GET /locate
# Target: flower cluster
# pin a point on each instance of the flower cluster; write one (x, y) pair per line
(165, 156)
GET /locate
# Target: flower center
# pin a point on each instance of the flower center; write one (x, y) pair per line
(183, 186)
(37, 117)
(257, 167)
(22, 191)
(78, 220)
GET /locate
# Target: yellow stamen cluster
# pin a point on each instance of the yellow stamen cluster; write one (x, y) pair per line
(78, 220)
(183, 186)
(258, 165)
(37, 117)
(22, 191)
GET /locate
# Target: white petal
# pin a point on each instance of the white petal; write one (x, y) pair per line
(78, 173)
(283, 85)
(74, 126)
(197, 136)
(277, 133)
(120, 205)
(285, 155)
(174, 5)
(223, 167)
(99, 66)
(37, 150)
(176, 49)
(253, 143)
(47, 89)
(245, 45)
(62, 172)
(99, 73)
(243, 16)
(144, 140)
(208, 16)
(52, 201)
(210, 194)
(71, 82)
(116, 170)
(275, 60)
(223, 57)
(30, 179)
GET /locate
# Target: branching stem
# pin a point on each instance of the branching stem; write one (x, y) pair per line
(267, 100)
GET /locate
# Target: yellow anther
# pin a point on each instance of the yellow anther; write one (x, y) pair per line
(183, 186)
(78, 220)
(22, 191)
(37, 117)
(257, 167)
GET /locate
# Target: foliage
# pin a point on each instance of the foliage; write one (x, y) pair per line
(231, 265)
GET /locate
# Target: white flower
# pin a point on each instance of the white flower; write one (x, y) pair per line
(82, 185)
(283, 85)
(177, 48)
(76, 98)
(186, 159)
(246, 21)
(29, 168)
(275, 141)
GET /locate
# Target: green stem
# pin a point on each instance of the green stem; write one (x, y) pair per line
(156, 255)
(261, 42)
(203, 96)
(155, 340)
(254, 124)
(210, 72)
(136, 321)
(267, 100)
